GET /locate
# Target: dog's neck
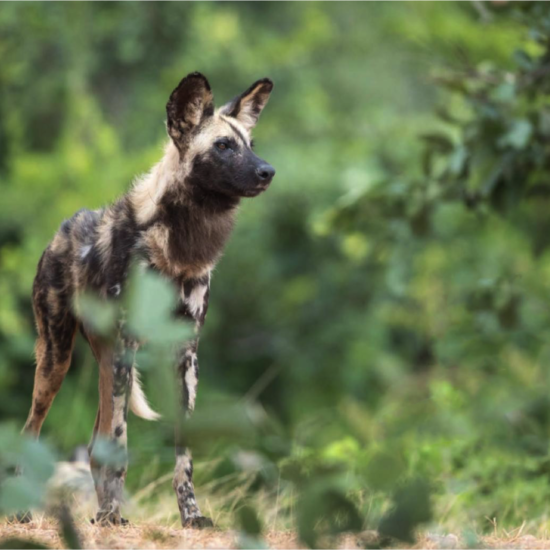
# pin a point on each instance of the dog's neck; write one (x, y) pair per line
(149, 189)
(169, 182)
(183, 228)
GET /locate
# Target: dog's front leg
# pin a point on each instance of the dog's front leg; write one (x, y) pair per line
(194, 303)
(115, 386)
(188, 370)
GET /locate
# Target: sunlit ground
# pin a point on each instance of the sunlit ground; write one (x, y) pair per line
(155, 522)
(151, 534)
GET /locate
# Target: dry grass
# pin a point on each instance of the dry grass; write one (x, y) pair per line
(156, 523)
(147, 535)
(135, 536)
(43, 530)
(155, 503)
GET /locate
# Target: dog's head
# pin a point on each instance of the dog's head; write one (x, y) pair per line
(217, 143)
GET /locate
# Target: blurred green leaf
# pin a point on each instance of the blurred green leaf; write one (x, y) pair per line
(151, 302)
(34, 461)
(247, 542)
(411, 508)
(37, 461)
(100, 315)
(518, 134)
(438, 141)
(324, 509)
(108, 453)
(20, 493)
(384, 469)
(224, 421)
(249, 521)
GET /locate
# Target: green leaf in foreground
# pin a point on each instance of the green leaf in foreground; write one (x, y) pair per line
(249, 521)
(412, 507)
(151, 301)
(36, 462)
(109, 453)
(247, 542)
(325, 509)
(383, 469)
(19, 493)
(99, 314)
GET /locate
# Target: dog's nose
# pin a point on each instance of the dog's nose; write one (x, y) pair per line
(265, 173)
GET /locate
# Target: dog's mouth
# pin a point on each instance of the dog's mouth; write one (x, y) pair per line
(254, 192)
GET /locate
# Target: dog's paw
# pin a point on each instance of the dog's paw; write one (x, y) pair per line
(109, 520)
(200, 522)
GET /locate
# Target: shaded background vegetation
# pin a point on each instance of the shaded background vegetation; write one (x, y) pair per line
(383, 306)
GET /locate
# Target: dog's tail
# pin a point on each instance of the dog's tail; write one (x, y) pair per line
(138, 402)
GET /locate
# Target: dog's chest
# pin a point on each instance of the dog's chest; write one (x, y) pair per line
(189, 246)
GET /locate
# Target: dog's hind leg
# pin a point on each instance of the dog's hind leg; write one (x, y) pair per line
(56, 334)
(115, 386)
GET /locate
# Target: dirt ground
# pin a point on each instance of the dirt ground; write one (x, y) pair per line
(139, 536)
(45, 533)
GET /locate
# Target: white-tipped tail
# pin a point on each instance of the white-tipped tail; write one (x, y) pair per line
(138, 402)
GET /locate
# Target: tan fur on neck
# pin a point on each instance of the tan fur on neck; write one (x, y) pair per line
(149, 189)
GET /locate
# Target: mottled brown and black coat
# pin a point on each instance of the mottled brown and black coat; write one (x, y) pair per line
(175, 220)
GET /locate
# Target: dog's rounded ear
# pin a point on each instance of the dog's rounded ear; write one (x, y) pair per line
(189, 104)
(246, 108)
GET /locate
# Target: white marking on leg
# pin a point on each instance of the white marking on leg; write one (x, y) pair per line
(195, 302)
(191, 380)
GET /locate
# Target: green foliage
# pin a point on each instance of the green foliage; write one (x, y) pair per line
(411, 508)
(249, 521)
(150, 303)
(325, 509)
(35, 464)
(379, 315)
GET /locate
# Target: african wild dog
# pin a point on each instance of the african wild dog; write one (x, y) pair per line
(176, 220)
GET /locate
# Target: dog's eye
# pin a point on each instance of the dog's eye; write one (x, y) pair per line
(222, 145)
